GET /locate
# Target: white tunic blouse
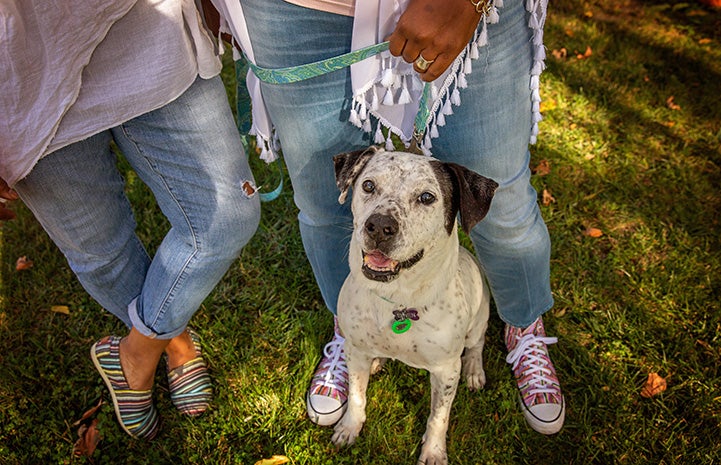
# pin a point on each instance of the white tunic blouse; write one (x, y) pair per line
(70, 70)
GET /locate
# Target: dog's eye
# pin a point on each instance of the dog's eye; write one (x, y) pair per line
(426, 198)
(368, 186)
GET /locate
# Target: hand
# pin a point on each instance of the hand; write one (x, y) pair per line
(6, 194)
(438, 30)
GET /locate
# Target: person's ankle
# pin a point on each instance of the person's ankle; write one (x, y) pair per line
(180, 350)
(134, 372)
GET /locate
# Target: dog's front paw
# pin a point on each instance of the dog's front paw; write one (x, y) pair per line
(433, 455)
(476, 380)
(346, 431)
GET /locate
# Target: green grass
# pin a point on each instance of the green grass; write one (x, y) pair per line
(644, 297)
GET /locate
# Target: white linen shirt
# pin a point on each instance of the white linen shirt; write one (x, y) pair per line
(69, 72)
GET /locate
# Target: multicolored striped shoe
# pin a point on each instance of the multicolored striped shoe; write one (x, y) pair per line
(328, 393)
(134, 409)
(190, 387)
(540, 392)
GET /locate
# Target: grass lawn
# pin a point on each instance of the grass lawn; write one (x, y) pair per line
(630, 156)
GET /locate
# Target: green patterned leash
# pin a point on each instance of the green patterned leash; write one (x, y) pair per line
(298, 73)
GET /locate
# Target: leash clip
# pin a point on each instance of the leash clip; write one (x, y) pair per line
(416, 140)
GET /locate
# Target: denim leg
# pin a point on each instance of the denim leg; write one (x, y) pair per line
(190, 155)
(489, 133)
(76, 193)
(311, 120)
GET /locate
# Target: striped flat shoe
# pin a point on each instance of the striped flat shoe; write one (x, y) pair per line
(190, 387)
(134, 409)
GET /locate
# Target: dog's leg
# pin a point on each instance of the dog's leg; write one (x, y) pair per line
(473, 365)
(444, 382)
(349, 426)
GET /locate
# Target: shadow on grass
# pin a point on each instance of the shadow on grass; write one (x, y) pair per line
(643, 297)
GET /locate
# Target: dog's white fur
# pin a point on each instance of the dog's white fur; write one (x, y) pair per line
(394, 215)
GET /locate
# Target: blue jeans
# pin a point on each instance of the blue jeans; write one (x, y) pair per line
(488, 133)
(190, 155)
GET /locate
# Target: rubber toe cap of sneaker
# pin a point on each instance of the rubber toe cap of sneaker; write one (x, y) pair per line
(546, 418)
(324, 410)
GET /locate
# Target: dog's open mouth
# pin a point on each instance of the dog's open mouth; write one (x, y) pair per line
(379, 267)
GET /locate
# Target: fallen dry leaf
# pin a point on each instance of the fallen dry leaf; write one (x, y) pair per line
(593, 232)
(559, 54)
(60, 309)
(671, 104)
(543, 168)
(88, 434)
(23, 263)
(88, 439)
(654, 385)
(89, 413)
(712, 3)
(547, 199)
(274, 460)
(585, 54)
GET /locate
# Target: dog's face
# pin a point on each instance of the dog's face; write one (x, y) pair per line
(405, 206)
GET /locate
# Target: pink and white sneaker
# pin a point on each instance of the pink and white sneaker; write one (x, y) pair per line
(541, 399)
(328, 392)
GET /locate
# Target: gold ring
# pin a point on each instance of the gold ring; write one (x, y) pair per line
(422, 63)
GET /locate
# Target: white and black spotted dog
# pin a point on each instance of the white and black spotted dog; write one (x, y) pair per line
(414, 293)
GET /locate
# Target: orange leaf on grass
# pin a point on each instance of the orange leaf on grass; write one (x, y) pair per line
(23, 263)
(559, 54)
(274, 460)
(60, 309)
(593, 232)
(585, 54)
(543, 168)
(88, 439)
(654, 385)
(88, 434)
(548, 199)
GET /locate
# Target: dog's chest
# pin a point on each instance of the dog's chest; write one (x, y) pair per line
(390, 330)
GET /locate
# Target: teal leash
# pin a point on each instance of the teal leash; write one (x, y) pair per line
(298, 73)
(243, 115)
(318, 68)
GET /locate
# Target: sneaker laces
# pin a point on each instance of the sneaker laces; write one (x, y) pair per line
(536, 363)
(334, 364)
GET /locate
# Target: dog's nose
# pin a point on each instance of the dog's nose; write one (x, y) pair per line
(381, 227)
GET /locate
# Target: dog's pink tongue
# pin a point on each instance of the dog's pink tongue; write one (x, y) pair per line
(378, 260)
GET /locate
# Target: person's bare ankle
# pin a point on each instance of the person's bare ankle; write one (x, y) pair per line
(180, 350)
(136, 380)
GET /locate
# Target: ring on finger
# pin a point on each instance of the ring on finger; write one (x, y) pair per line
(422, 63)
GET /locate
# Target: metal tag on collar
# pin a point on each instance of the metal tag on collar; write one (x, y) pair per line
(416, 140)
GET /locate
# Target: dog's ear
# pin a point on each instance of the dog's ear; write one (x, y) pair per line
(474, 192)
(347, 167)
